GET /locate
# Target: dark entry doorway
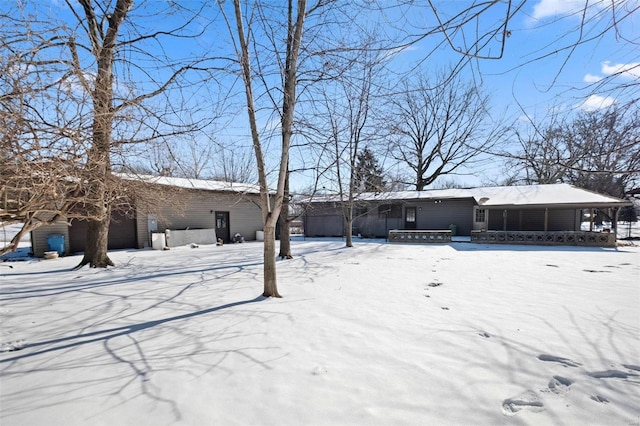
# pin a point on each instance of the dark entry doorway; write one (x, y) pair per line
(222, 226)
(410, 218)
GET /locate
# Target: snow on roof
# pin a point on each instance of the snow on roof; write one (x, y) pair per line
(541, 195)
(523, 195)
(205, 185)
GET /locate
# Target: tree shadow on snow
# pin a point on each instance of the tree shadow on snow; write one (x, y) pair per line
(36, 290)
(89, 372)
(68, 342)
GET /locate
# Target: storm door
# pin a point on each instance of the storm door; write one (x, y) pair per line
(410, 218)
(222, 226)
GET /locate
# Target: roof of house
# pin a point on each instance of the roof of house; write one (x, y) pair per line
(558, 195)
(541, 195)
(201, 184)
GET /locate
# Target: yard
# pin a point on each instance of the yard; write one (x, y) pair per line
(377, 334)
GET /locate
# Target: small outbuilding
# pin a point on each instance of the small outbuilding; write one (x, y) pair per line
(185, 211)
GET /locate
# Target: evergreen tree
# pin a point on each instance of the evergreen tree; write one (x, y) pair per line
(369, 174)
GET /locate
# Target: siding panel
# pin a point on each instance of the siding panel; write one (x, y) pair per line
(39, 237)
(142, 229)
(324, 226)
(197, 210)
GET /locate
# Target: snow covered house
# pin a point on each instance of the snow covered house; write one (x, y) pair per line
(200, 211)
(548, 214)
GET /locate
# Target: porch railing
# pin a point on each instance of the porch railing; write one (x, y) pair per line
(420, 236)
(567, 238)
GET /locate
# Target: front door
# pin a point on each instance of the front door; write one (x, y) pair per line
(222, 226)
(480, 219)
(410, 218)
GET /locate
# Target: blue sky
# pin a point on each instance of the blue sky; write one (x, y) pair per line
(539, 72)
(542, 71)
(531, 73)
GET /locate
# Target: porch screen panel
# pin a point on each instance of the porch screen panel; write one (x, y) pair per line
(561, 220)
(533, 220)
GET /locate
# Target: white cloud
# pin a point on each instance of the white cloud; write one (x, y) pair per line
(590, 78)
(399, 51)
(631, 70)
(595, 102)
(546, 8)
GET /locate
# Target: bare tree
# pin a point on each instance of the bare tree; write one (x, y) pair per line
(596, 150)
(40, 114)
(347, 107)
(103, 42)
(189, 156)
(438, 127)
(295, 20)
(94, 114)
(102, 24)
(542, 157)
(234, 164)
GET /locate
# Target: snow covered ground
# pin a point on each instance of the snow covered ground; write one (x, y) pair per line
(383, 334)
(7, 232)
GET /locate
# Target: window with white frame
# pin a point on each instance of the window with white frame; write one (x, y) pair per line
(481, 215)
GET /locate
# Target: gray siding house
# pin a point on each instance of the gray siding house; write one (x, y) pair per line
(538, 208)
(228, 208)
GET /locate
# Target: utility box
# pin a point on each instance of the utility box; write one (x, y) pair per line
(158, 240)
(55, 242)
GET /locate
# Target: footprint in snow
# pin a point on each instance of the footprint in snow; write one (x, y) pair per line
(600, 399)
(631, 367)
(318, 371)
(13, 346)
(611, 374)
(559, 385)
(527, 400)
(564, 361)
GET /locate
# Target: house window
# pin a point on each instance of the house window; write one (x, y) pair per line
(391, 211)
(481, 215)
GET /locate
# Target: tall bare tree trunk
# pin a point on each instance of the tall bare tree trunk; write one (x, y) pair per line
(99, 160)
(99, 169)
(271, 212)
(283, 221)
(349, 220)
(270, 282)
(95, 253)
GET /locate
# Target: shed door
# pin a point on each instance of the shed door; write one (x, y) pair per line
(222, 226)
(122, 233)
(410, 218)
